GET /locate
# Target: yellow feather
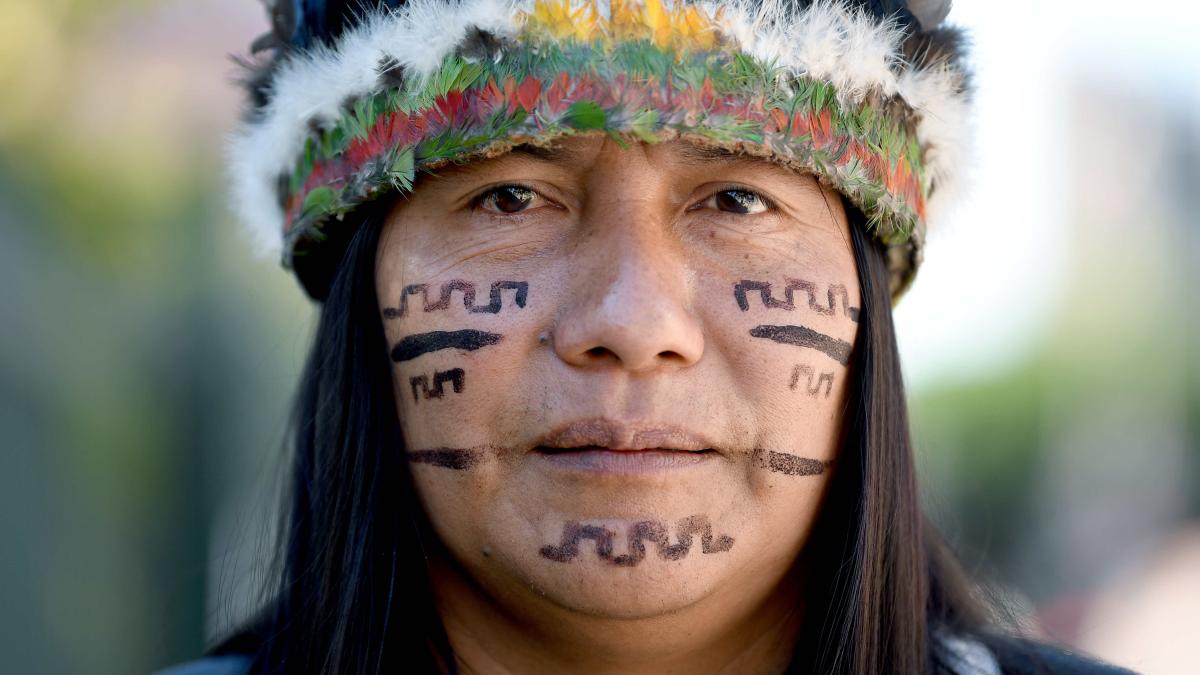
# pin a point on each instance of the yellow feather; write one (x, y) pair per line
(676, 25)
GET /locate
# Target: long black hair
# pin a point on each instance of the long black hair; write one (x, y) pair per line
(353, 594)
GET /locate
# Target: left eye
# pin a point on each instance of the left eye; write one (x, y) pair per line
(508, 199)
(737, 201)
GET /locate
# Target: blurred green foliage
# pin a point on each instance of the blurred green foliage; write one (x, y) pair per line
(146, 361)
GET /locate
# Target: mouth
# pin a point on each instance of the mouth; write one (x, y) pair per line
(606, 446)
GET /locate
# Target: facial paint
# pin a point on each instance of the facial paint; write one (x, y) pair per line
(803, 336)
(789, 464)
(836, 292)
(459, 459)
(639, 533)
(813, 389)
(413, 346)
(573, 533)
(420, 383)
(468, 292)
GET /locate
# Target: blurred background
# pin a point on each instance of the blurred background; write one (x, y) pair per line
(146, 359)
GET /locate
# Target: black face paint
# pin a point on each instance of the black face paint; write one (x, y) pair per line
(459, 459)
(814, 389)
(573, 533)
(413, 346)
(639, 533)
(836, 292)
(468, 294)
(802, 336)
(789, 464)
(420, 383)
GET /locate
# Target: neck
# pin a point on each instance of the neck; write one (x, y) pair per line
(733, 630)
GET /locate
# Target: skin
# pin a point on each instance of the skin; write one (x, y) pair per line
(630, 325)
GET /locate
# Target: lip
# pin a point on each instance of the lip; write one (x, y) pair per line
(603, 432)
(607, 446)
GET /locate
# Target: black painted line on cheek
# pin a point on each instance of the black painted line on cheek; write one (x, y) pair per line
(413, 346)
(803, 336)
(791, 465)
(459, 459)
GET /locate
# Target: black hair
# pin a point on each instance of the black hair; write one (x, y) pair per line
(353, 593)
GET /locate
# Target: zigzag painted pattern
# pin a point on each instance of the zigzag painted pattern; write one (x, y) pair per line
(467, 289)
(836, 292)
(639, 533)
(814, 388)
(420, 383)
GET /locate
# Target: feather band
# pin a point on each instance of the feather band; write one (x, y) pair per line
(497, 75)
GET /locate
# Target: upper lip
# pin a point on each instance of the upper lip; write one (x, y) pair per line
(603, 432)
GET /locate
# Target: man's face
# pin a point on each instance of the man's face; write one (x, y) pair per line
(620, 371)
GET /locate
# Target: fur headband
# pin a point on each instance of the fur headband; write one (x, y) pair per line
(875, 108)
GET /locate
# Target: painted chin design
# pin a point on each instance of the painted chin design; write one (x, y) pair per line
(637, 536)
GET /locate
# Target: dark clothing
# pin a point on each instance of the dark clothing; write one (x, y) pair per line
(233, 664)
(1026, 657)
(1001, 656)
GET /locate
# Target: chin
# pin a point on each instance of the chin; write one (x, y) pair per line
(654, 587)
(633, 557)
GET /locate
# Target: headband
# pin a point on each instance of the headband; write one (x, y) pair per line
(825, 89)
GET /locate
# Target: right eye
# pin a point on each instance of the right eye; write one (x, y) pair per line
(742, 202)
(508, 199)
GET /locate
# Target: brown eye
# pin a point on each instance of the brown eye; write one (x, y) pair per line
(738, 201)
(507, 199)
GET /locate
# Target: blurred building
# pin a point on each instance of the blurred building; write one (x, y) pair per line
(1076, 471)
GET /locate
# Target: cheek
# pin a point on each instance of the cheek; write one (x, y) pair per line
(785, 338)
(456, 345)
(788, 338)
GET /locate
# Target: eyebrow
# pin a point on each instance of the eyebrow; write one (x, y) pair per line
(555, 154)
(693, 153)
(697, 154)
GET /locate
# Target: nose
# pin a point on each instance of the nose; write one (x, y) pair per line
(628, 303)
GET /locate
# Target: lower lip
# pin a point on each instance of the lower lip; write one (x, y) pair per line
(624, 461)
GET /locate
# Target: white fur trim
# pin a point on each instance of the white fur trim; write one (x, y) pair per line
(828, 41)
(944, 131)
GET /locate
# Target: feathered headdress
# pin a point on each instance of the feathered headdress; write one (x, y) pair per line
(870, 98)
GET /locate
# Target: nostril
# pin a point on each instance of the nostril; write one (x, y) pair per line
(601, 352)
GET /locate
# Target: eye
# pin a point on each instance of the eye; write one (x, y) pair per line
(508, 199)
(737, 201)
